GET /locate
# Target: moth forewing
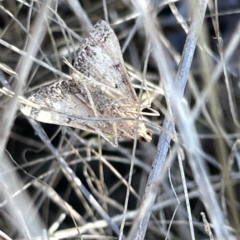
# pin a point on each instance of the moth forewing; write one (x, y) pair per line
(105, 62)
(92, 84)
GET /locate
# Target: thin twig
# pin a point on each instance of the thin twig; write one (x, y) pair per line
(71, 176)
(140, 225)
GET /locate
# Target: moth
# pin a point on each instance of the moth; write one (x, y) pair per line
(99, 88)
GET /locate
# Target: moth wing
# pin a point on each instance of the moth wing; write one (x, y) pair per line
(60, 97)
(61, 103)
(100, 57)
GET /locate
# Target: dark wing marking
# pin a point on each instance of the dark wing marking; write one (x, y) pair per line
(60, 97)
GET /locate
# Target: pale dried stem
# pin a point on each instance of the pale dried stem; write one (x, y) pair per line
(186, 128)
(10, 110)
(77, 185)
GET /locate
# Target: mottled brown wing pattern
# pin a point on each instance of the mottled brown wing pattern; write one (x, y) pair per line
(100, 88)
(106, 65)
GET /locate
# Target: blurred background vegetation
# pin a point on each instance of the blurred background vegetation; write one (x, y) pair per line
(102, 168)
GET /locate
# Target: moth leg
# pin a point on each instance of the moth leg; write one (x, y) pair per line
(115, 144)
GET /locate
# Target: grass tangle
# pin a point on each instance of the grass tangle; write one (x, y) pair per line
(58, 182)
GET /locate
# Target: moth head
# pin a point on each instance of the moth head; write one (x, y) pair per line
(146, 137)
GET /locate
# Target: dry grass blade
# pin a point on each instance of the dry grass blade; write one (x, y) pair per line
(157, 79)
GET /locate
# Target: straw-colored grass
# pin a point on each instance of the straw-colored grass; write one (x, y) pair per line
(58, 182)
